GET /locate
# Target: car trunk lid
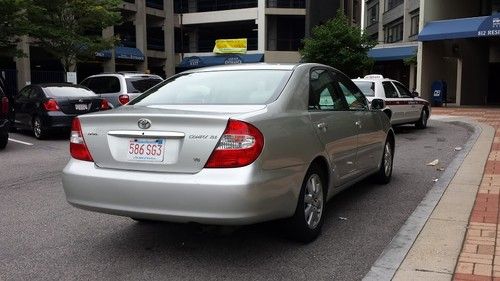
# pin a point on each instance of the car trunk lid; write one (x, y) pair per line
(186, 135)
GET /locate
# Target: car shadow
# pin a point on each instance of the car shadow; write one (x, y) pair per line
(55, 135)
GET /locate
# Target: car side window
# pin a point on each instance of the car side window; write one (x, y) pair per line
(390, 91)
(356, 100)
(403, 91)
(103, 85)
(24, 94)
(34, 94)
(322, 92)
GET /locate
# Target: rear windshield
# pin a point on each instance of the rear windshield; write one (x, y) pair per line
(218, 87)
(60, 92)
(367, 87)
(141, 84)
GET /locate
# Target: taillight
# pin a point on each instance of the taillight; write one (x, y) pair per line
(5, 105)
(51, 105)
(105, 104)
(123, 99)
(77, 146)
(240, 145)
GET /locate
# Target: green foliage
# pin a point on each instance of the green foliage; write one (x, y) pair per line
(71, 30)
(13, 23)
(340, 45)
(411, 60)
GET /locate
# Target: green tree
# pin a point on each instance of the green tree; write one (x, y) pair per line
(340, 45)
(13, 24)
(71, 30)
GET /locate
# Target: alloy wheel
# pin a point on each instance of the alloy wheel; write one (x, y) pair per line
(387, 159)
(313, 201)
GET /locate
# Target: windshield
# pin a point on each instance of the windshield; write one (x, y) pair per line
(61, 92)
(141, 84)
(218, 87)
(367, 87)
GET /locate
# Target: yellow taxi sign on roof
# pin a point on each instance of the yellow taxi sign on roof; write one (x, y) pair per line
(231, 46)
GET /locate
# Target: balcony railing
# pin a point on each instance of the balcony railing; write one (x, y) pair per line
(296, 4)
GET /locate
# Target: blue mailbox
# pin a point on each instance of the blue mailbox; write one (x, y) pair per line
(439, 92)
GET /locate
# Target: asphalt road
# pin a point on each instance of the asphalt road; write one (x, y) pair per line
(44, 238)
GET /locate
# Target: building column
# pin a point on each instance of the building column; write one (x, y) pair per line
(23, 64)
(413, 73)
(109, 65)
(381, 10)
(261, 26)
(141, 39)
(169, 33)
(458, 95)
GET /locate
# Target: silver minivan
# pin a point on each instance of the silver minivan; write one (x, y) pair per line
(120, 88)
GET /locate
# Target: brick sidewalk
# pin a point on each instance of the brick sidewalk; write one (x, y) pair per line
(480, 255)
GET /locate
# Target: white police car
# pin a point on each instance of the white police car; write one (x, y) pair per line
(401, 105)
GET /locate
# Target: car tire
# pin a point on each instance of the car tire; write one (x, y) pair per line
(305, 225)
(142, 220)
(38, 130)
(422, 122)
(384, 174)
(4, 139)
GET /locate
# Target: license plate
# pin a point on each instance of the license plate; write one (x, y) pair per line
(146, 150)
(81, 106)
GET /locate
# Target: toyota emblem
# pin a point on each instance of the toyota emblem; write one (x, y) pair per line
(144, 123)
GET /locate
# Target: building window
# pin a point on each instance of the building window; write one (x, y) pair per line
(495, 7)
(394, 32)
(373, 14)
(415, 22)
(390, 4)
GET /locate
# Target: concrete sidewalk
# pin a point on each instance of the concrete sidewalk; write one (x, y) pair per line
(457, 238)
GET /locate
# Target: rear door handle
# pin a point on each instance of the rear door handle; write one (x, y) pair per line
(358, 123)
(322, 126)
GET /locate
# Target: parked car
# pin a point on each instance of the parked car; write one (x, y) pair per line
(45, 107)
(402, 106)
(4, 121)
(231, 145)
(120, 88)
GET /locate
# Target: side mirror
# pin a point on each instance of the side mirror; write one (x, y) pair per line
(415, 94)
(377, 104)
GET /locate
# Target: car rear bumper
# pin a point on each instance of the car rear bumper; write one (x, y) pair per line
(58, 120)
(212, 196)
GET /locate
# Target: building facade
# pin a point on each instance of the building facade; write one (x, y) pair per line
(460, 44)
(168, 36)
(394, 25)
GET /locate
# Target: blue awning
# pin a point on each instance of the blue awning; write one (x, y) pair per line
(128, 53)
(392, 53)
(461, 28)
(196, 62)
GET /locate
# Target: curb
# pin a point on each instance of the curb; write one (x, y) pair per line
(423, 248)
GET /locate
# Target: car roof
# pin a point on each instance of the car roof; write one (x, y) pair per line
(126, 75)
(68, 85)
(246, 66)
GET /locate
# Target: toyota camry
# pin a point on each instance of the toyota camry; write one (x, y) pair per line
(231, 145)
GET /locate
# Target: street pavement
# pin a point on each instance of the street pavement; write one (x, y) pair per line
(43, 238)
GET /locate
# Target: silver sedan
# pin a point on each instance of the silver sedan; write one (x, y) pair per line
(231, 145)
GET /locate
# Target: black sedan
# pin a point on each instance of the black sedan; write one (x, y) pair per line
(4, 124)
(46, 107)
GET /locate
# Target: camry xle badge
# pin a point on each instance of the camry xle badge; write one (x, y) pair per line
(144, 123)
